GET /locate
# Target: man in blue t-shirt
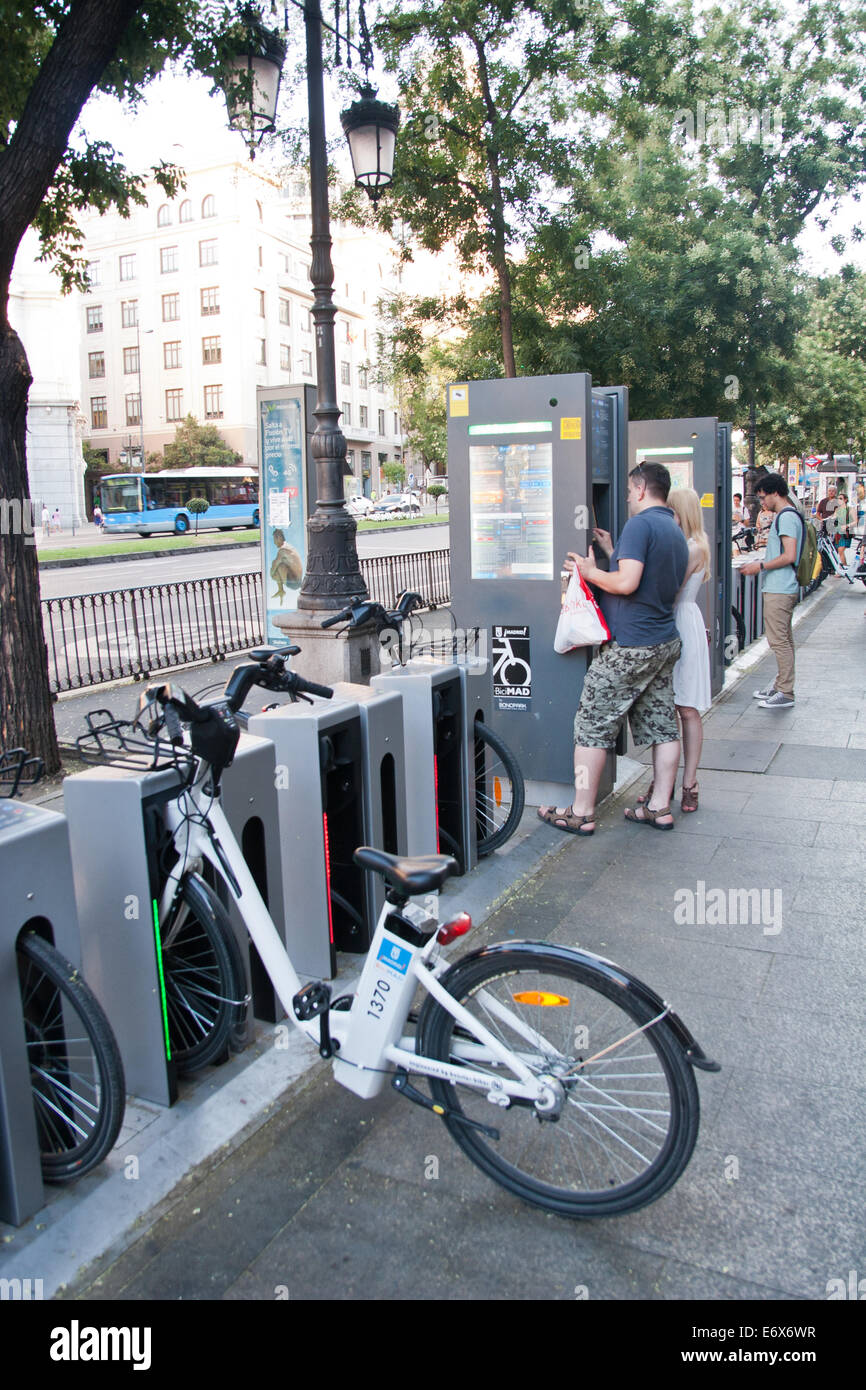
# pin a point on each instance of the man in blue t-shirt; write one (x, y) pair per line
(632, 674)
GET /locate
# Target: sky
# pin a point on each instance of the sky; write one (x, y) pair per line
(181, 123)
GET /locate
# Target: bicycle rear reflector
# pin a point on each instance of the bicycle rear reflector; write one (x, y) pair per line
(459, 926)
(541, 998)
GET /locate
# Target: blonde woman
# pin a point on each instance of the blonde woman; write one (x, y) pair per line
(691, 676)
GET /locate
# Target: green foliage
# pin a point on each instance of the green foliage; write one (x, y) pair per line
(198, 506)
(436, 490)
(199, 446)
(395, 473)
(95, 459)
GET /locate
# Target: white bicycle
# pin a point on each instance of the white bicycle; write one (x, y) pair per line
(561, 1075)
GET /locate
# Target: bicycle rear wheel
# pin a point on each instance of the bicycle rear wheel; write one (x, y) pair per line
(75, 1068)
(499, 791)
(204, 977)
(629, 1106)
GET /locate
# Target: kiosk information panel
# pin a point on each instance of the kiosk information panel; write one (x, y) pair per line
(519, 469)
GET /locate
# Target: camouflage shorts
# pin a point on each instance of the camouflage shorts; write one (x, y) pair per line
(633, 681)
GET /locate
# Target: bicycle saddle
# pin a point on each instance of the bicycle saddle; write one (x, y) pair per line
(423, 874)
(265, 653)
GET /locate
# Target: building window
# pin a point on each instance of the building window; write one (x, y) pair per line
(261, 360)
(171, 354)
(207, 252)
(285, 357)
(347, 332)
(211, 350)
(345, 373)
(259, 210)
(127, 267)
(260, 302)
(362, 378)
(381, 422)
(210, 300)
(365, 417)
(347, 413)
(285, 311)
(396, 423)
(366, 461)
(213, 402)
(174, 405)
(96, 364)
(170, 307)
(208, 207)
(99, 412)
(261, 261)
(130, 360)
(186, 211)
(306, 363)
(93, 274)
(163, 217)
(307, 322)
(129, 313)
(350, 459)
(285, 262)
(167, 259)
(133, 409)
(94, 318)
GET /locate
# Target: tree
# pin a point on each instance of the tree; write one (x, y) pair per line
(198, 506)
(198, 446)
(436, 490)
(395, 473)
(55, 55)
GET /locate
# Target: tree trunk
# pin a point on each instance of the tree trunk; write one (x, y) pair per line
(26, 713)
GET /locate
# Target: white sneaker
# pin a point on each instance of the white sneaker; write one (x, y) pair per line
(777, 701)
(764, 694)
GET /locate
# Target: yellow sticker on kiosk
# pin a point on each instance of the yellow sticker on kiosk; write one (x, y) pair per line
(708, 500)
(569, 427)
(458, 400)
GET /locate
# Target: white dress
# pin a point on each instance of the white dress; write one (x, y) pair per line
(692, 671)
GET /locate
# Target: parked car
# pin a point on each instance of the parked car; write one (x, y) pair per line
(397, 504)
(359, 506)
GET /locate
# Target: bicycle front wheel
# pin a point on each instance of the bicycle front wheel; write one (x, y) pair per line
(628, 1103)
(75, 1069)
(204, 977)
(499, 791)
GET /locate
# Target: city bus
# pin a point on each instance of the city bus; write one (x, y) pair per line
(152, 502)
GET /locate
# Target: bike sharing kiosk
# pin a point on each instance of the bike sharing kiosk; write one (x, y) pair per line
(697, 454)
(38, 893)
(522, 488)
(339, 774)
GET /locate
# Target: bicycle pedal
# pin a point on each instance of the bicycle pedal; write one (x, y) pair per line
(311, 1001)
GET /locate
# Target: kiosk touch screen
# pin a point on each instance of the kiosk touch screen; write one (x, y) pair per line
(511, 510)
(679, 461)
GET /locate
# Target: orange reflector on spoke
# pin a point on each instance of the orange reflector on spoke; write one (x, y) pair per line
(540, 997)
(497, 791)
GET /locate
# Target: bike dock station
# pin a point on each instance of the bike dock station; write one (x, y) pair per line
(38, 893)
(114, 831)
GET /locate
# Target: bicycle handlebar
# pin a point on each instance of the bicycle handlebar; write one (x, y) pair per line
(338, 618)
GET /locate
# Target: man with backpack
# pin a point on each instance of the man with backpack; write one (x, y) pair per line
(786, 549)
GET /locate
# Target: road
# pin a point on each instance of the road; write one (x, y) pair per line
(98, 578)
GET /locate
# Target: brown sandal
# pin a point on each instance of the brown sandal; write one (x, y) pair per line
(647, 795)
(567, 820)
(650, 817)
(689, 800)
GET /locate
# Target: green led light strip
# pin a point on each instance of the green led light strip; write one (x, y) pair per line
(161, 979)
(516, 427)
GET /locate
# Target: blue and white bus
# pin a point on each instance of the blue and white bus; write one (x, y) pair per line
(152, 502)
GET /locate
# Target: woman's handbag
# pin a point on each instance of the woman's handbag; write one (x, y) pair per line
(581, 622)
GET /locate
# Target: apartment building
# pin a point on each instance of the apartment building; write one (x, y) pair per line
(196, 301)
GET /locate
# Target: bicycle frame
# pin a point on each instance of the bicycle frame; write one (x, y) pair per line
(370, 1035)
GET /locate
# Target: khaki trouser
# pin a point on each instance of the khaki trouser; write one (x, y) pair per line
(778, 613)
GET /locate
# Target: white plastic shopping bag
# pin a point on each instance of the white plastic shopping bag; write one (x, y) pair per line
(581, 622)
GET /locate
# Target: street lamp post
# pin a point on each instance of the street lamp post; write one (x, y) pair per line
(333, 576)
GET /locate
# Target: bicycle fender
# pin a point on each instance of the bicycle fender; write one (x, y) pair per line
(612, 972)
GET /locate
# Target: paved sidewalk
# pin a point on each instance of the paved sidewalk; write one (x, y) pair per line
(771, 1204)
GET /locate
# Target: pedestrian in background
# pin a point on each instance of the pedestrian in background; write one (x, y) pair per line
(781, 590)
(844, 520)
